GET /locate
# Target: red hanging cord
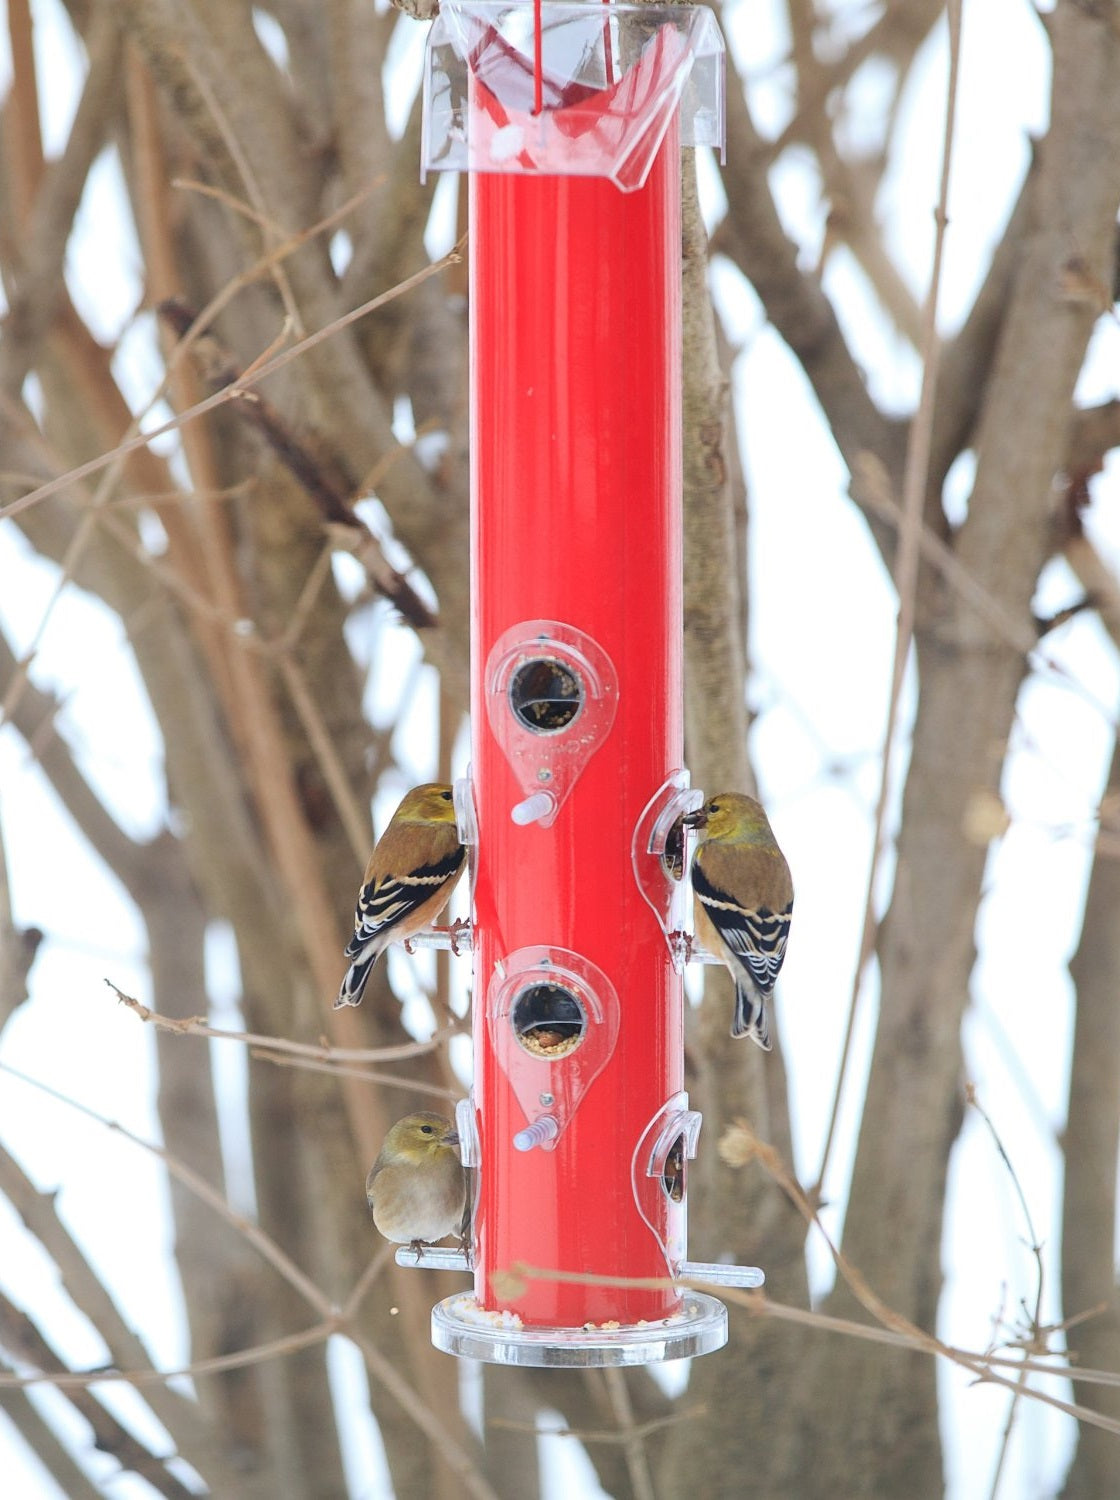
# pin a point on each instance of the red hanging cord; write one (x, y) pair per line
(608, 57)
(538, 58)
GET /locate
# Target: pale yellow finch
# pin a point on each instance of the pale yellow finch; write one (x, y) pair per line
(417, 1187)
(743, 896)
(410, 876)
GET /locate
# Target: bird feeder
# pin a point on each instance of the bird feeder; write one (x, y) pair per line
(568, 119)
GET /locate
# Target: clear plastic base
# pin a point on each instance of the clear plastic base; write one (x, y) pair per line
(461, 1327)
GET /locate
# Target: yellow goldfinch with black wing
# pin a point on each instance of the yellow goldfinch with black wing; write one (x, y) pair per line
(408, 881)
(417, 1187)
(743, 895)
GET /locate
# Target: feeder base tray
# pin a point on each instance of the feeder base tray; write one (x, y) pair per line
(460, 1326)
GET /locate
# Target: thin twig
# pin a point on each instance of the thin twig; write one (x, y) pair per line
(384, 1256)
(758, 1304)
(387, 1374)
(607, 1436)
(261, 267)
(367, 1075)
(334, 773)
(196, 1026)
(906, 569)
(740, 1145)
(269, 228)
(240, 1359)
(221, 398)
(1036, 1320)
(872, 483)
(381, 1368)
(263, 1243)
(290, 636)
(300, 454)
(23, 1343)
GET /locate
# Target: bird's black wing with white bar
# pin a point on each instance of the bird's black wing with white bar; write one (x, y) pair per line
(389, 902)
(757, 939)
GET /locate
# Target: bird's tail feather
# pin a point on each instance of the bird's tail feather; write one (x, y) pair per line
(350, 992)
(750, 1016)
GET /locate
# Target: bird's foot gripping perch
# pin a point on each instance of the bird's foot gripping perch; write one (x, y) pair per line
(456, 937)
(681, 942)
(458, 930)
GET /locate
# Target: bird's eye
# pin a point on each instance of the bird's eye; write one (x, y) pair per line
(446, 796)
(427, 1129)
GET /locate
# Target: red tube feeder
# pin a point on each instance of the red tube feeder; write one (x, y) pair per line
(578, 1125)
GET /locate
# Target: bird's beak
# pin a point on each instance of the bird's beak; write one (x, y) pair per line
(451, 1138)
(695, 819)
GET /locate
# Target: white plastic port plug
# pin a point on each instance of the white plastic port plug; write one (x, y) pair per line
(541, 1130)
(538, 806)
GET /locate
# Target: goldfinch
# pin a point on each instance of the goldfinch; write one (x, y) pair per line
(417, 1189)
(743, 895)
(410, 876)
